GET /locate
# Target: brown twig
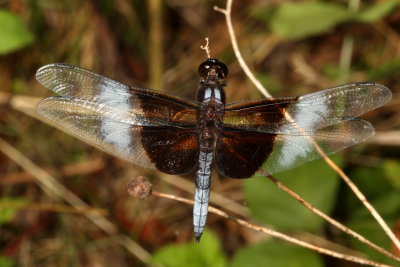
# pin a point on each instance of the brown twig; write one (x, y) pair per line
(347, 47)
(276, 234)
(52, 207)
(206, 47)
(215, 198)
(388, 138)
(353, 187)
(53, 188)
(363, 200)
(155, 41)
(246, 69)
(77, 168)
(328, 218)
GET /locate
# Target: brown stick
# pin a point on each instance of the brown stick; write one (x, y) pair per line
(277, 234)
(353, 187)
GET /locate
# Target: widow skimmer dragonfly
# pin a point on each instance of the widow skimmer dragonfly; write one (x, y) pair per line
(175, 135)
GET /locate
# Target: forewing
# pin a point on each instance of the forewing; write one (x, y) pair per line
(309, 112)
(165, 148)
(128, 122)
(281, 132)
(145, 107)
(239, 154)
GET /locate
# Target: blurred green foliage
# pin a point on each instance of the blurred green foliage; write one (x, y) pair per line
(314, 181)
(275, 253)
(391, 170)
(6, 262)
(387, 69)
(297, 20)
(9, 207)
(377, 11)
(206, 253)
(302, 19)
(14, 34)
(368, 227)
(377, 184)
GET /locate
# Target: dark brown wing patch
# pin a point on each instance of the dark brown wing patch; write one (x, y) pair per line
(239, 154)
(171, 150)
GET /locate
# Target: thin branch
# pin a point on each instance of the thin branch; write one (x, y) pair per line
(328, 218)
(388, 138)
(364, 200)
(347, 47)
(206, 47)
(353, 187)
(52, 187)
(156, 43)
(277, 234)
(349, 183)
(215, 198)
(232, 35)
(52, 208)
(345, 58)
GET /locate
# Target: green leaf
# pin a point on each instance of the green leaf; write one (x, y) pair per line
(8, 208)
(367, 179)
(263, 13)
(384, 198)
(370, 229)
(271, 82)
(277, 254)
(387, 205)
(19, 86)
(6, 262)
(206, 253)
(314, 181)
(384, 70)
(302, 19)
(377, 11)
(13, 33)
(392, 172)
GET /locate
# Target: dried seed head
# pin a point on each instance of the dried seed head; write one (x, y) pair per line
(139, 187)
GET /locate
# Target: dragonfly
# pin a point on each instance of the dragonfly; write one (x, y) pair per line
(176, 135)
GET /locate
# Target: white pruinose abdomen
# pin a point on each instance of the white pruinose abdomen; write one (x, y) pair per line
(202, 193)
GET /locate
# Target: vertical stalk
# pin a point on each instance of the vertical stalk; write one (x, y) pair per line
(155, 44)
(347, 48)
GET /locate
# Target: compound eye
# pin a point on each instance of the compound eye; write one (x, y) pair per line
(213, 66)
(222, 70)
(204, 69)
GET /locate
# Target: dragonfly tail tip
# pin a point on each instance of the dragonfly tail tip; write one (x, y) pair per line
(198, 237)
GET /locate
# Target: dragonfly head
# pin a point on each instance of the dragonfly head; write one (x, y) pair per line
(213, 69)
